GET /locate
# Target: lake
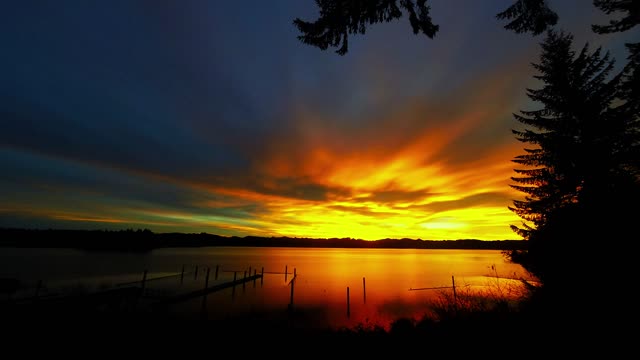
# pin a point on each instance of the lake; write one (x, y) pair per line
(341, 286)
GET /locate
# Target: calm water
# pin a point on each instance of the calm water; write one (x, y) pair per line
(345, 287)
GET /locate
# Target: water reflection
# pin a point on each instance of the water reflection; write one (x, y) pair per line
(333, 287)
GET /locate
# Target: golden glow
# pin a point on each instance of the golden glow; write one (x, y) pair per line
(436, 169)
(379, 280)
(70, 217)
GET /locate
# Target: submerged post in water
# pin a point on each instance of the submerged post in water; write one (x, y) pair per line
(144, 281)
(291, 298)
(233, 289)
(453, 282)
(348, 304)
(244, 279)
(364, 290)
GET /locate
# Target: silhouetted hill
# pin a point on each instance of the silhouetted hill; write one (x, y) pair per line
(146, 240)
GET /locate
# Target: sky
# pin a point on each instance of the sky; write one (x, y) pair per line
(211, 116)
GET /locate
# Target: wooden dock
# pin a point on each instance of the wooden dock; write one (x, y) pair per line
(207, 290)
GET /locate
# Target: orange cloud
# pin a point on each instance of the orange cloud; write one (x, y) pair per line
(399, 189)
(433, 169)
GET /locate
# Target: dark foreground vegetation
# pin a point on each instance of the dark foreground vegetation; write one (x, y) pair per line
(459, 317)
(470, 323)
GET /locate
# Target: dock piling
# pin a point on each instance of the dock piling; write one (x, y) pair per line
(348, 304)
(143, 283)
(293, 281)
(244, 277)
(364, 290)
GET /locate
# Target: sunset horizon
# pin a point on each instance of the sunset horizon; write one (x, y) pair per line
(197, 125)
(368, 175)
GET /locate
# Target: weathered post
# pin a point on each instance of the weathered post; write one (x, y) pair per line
(244, 279)
(233, 289)
(182, 275)
(206, 279)
(217, 266)
(455, 299)
(291, 296)
(364, 290)
(348, 304)
(143, 283)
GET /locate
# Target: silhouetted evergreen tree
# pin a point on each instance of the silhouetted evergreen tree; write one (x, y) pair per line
(533, 16)
(580, 173)
(339, 18)
(631, 8)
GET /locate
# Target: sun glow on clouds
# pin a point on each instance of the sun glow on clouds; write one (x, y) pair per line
(408, 188)
(411, 176)
(433, 170)
(406, 193)
(205, 129)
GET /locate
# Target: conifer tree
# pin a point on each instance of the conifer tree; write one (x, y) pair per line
(533, 16)
(577, 173)
(631, 18)
(340, 18)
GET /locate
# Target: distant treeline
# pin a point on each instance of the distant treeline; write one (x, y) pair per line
(146, 240)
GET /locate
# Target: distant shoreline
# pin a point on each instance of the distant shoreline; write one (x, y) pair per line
(146, 240)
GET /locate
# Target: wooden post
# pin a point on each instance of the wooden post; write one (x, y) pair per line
(285, 273)
(244, 279)
(195, 277)
(348, 304)
(364, 290)
(233, 289)
(206, 279)
(254, 277)
(217, 271)
(143, 282)
(293, 281)
(453, 281)
(182, 275)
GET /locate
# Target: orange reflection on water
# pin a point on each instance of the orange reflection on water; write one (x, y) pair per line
(351, 287)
